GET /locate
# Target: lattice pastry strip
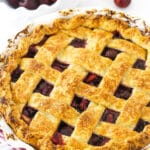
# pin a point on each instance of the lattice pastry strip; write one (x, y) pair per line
(114, 74)
(85, 59)
(97, 96)
(66, 84)
(140, 78)
(95, 40)
(145, 113)
(128, 47)
(87, 122)
(37, 101)
(27, 81)
(44, 71)
(114, 131)
(52, 47)
(50, 124)
(132, 111)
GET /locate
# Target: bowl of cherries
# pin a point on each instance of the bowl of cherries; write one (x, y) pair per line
(30, 4)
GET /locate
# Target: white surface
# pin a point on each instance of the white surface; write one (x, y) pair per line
(13, 20)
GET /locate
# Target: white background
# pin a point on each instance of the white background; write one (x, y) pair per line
(13, 20)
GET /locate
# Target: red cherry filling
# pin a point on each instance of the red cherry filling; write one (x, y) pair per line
(32, 48)
(140, 125)
(122, 3)
(64, 129)
(110, 53)
(80, 104)
(116, 34)
(43, 40)
(28, 113)
(92, 79)
(29, 4)
(60, 66)
(31, 51)
(57, 139)
(98, 140)
(3, 100)
(44, 88)
(78, 43)
(16, 74)
(48, 2)
(139, 64)
(110, 115)
(123, 92)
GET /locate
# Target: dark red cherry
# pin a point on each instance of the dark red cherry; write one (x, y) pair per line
(29, 4)
(48, 2)
(44, 2)
(13, 3)
(122, 3)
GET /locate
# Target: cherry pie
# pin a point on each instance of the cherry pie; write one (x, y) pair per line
(83, 83)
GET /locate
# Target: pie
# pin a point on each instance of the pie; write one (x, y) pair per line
(81, 84)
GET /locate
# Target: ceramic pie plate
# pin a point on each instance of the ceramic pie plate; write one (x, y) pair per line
(8, 140)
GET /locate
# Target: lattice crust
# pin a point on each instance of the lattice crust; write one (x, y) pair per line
(79, 85)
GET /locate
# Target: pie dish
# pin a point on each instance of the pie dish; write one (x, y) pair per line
(80, 83)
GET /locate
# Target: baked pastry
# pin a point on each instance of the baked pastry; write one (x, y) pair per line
(82, 83)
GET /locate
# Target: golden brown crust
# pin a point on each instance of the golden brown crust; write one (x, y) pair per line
(98, 32)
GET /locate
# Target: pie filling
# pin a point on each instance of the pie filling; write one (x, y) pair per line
(140, 125)
(16, 74)
(57, 139)
(63, 129)
(31, 51)
(110, 53)
(98, 140)
(80, 103)
(139, 64)
(109, 115)
(117, 34)
(78, 43)
(60, 66)
(28, 113)
(123, 92)
(43, 40)
(44, 87)
(92, 79)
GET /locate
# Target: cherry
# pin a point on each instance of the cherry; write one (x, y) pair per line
(48, 2)
(29, 4)
(44, 2)
(77, 43)
(52, 1)
(122, 3)
(13, 3)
